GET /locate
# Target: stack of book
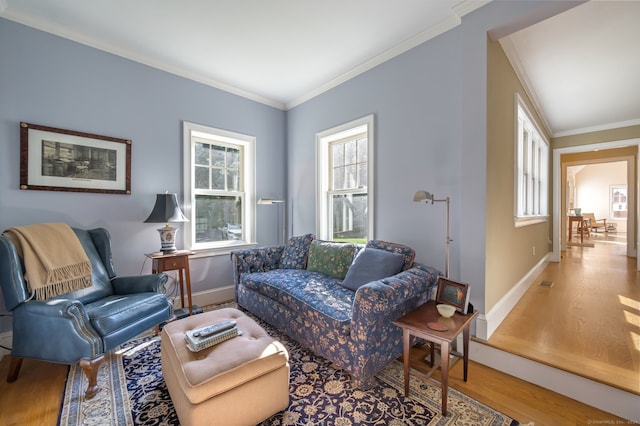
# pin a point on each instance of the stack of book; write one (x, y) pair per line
(211, 335)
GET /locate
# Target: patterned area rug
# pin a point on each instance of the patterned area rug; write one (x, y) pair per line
(134, 393)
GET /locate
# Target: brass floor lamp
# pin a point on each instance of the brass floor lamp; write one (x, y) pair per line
(271, 201)
(426, 197)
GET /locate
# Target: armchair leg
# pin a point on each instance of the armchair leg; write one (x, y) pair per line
(14, 368)
(90, 368)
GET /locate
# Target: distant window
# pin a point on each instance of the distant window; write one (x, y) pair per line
(618, 204)
(532, 169)
(345, 182)
(219, 190)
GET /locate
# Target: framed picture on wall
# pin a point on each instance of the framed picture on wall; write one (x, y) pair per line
(54, 159)
(453, 293)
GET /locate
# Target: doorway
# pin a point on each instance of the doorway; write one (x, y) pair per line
(625, 150)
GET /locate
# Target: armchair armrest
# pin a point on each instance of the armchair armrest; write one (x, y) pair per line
(55, 330)
(139, 283)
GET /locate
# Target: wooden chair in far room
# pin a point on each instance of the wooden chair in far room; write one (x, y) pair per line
(593, 223)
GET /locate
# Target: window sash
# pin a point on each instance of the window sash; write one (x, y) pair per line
(532, 166)
(219, 188)
(345, 169)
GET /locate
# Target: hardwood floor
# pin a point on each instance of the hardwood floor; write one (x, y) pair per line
(594, 303)
(588, 322)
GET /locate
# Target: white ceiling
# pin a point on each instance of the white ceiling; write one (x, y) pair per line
(582, 67)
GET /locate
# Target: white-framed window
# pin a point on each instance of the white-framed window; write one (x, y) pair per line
(345, 172)
(532, 169)
(618, 202)
(219, 188)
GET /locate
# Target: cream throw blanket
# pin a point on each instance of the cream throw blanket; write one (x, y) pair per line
(53, 257)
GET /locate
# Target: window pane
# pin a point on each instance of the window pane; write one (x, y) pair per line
(349, 217)
(338, 179)
(201, 177)
(350, 177)
(362, 151)
(337, 154)
(233, 158)
(350, 152)
(218, 218)
(217, 179)
(233, 180)
(362, 176)
(218, 156)
(201, 154)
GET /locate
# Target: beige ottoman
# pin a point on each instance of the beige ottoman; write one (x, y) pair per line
(241, 381)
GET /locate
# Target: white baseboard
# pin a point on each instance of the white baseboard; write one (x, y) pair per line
(487, 323)
(606, 398)
(207, 297)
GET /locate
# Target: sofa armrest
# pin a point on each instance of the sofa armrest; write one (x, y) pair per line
(139, 283)
(379, 303)
(261, 259)
(385, 295)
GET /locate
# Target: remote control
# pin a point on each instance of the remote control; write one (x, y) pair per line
(215, 328)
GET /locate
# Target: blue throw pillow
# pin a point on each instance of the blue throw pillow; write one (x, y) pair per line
(371, 265)
(296, 251)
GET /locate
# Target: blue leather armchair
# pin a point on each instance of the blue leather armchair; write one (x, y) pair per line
(83, 325)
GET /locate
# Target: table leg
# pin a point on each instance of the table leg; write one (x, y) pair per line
(188, 278)
(181, 282)
(465, 346)
(406, 337)
(445, 350)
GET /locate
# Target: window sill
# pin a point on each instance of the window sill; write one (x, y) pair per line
(220, 251)
(526, 221)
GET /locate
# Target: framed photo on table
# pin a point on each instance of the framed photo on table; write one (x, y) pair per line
(453, 293)
(53, 159)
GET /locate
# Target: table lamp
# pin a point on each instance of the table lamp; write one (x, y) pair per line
(166, 210)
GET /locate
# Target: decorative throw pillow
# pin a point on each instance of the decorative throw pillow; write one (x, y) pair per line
(331, 258)
(371, 265)
(296, 252)
(408, 253)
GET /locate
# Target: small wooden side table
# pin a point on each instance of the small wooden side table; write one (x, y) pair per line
(415, 323)
(179, 260)
(581, 226)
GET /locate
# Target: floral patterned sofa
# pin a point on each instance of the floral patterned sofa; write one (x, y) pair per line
(302, 289)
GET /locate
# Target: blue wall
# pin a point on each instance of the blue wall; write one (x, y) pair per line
(52, 81)
(429, 105)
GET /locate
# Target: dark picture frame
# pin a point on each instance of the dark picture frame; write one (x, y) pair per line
(53, 159)
(453, 293)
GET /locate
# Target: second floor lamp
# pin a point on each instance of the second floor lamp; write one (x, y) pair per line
(271, 201)
(427, 197)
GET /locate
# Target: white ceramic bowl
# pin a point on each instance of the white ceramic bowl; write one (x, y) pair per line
(445, 310)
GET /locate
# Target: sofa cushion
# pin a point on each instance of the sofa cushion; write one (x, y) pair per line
(406, 251)
(331, 258)
(371, 265)
(302, 290)
(112, 313)
(296, 252)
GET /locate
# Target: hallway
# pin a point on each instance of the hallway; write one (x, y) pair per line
(588, 321)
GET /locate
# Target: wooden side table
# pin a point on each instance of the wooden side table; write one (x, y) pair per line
(176, 261)
(581, 226)
(415, 323)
